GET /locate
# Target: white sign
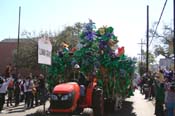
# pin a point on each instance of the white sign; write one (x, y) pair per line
(165, 63)
(44, 51)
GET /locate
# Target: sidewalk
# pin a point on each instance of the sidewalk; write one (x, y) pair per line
(141, 106)
(20, 110)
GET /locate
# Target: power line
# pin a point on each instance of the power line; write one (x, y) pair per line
(158, 21)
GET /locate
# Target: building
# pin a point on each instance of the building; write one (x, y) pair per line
(166, 63)
(7, 49)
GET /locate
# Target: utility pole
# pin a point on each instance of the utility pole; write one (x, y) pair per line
(17, 61)
(147, 42)
(141, 50)
(174, 32)
(141, 54)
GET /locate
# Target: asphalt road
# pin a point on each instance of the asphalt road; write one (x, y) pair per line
(133, 106)
(136, 106)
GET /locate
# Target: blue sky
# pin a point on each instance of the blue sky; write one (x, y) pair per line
(127, 17)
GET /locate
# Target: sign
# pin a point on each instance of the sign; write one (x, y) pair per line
(44, 51)
(165, 63)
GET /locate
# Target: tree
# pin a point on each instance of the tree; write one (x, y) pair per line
(142, 65)
(69, 35)
(164, 40)
(151, 57)
(142, 68)
(27, 54)
(28, 47)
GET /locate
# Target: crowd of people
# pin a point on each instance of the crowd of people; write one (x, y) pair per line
(14, 89)
(160, 86)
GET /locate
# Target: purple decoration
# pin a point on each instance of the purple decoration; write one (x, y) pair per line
(109, 35)
(89, 26)
(89, 35)
(102, 44)
(112, 53)
(73, 62)
(60, 54)
(88, 31)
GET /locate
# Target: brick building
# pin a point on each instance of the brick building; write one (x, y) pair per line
(7, 49)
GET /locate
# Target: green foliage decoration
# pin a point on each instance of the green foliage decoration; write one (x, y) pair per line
(97, 51)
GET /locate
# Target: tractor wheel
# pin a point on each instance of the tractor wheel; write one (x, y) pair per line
(98, 102)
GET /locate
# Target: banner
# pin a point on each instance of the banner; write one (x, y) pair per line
(44, 51)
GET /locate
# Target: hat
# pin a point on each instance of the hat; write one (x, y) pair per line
(76, 66)
(87, 112)
(41, 76)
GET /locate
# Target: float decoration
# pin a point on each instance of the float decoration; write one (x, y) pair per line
(99, 54)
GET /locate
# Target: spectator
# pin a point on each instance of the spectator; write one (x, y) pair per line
(170, 97)
(3, 89)
(17, 93)
(35, 92)
(25, 91)
(41, 88)
(151, 86)
(22, 93)
(10, 91)
(159, 95)
(146, 87)
(29, 94)
(141, 83)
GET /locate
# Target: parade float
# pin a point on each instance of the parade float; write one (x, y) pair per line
(102, 61)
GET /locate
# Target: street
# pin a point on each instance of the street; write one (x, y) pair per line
(136, 106)
(133, 106)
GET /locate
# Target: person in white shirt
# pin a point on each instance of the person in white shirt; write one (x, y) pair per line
(29, 95)
(3, 89)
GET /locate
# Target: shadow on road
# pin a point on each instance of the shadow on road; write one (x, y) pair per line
(15, 109)
(38, 113)
(127, 110)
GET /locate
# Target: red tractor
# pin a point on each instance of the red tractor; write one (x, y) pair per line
(66, 99)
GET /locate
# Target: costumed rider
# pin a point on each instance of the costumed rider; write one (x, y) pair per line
(80, 77)
(3, 89)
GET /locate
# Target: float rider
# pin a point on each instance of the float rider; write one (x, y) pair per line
(80, 78)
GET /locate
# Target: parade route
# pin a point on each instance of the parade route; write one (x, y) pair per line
(133, 106)
(136, 106)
